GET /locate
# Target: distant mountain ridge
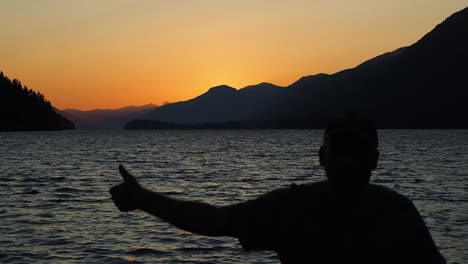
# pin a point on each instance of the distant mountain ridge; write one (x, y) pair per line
(423, 85)
(23, 109)
(106, 118)
(220, 104)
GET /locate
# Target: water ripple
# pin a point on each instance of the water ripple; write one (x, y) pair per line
(55, 205)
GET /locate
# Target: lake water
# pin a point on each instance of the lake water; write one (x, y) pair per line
(55, 206)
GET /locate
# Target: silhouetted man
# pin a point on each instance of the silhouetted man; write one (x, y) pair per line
(342, 220)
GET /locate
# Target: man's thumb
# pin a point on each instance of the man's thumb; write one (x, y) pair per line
(127, 177)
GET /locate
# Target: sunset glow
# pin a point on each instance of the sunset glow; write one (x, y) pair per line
(113, 53)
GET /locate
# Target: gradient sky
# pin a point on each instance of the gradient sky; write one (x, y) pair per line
(90, 54)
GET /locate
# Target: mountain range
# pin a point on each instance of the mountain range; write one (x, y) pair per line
(424, 85)
(105, 118)
(420, 86)
(220, 104)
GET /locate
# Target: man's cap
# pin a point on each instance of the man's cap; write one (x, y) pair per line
(352, 125)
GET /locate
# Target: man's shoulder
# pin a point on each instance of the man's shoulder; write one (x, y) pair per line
(292, 193)
(383, 190)
(308, 187)
(382, 193)
(301, 191)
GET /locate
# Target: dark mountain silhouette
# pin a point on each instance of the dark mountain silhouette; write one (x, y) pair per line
(420, 86)
(106, 118)
(145, 124)
(22, 109)
(221, 104)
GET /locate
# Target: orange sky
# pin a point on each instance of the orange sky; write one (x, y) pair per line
(112, 53)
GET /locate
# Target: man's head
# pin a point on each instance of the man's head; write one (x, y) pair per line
(349, 152)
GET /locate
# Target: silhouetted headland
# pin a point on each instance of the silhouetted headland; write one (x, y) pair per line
(23, 109)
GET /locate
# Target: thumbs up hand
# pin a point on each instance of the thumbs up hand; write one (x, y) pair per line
(126, 194)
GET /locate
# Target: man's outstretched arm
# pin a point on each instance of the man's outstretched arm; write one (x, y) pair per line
(196, 217)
